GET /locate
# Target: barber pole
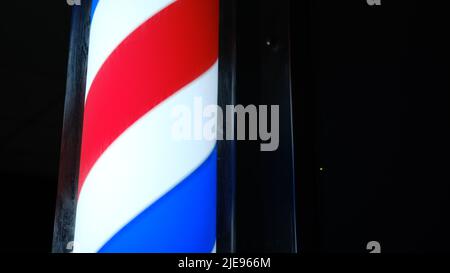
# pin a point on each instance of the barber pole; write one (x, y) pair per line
(139, 190)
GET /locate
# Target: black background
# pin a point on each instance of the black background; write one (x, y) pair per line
(34, 50)
(371, 103)
(372, 90)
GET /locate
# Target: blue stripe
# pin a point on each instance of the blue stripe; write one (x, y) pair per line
(93, 7)
(182, 221)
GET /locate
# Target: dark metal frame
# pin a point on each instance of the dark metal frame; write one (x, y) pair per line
(266, 219)
(226, 174)
(72, 130)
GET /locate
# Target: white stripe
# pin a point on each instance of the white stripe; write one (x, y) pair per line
(142, 165)
(115, 20)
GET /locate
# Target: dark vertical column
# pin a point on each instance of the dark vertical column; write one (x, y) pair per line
(266, 213)
(226, 188)
(72, 129)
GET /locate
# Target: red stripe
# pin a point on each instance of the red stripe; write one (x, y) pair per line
(164, 54)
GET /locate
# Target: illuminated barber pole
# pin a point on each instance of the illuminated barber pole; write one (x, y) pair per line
(139, 189)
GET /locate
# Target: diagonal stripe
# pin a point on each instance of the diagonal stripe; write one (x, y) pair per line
(182, 221)
(164, 54)
(93, 7)
(143, 164)
(112, 22)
